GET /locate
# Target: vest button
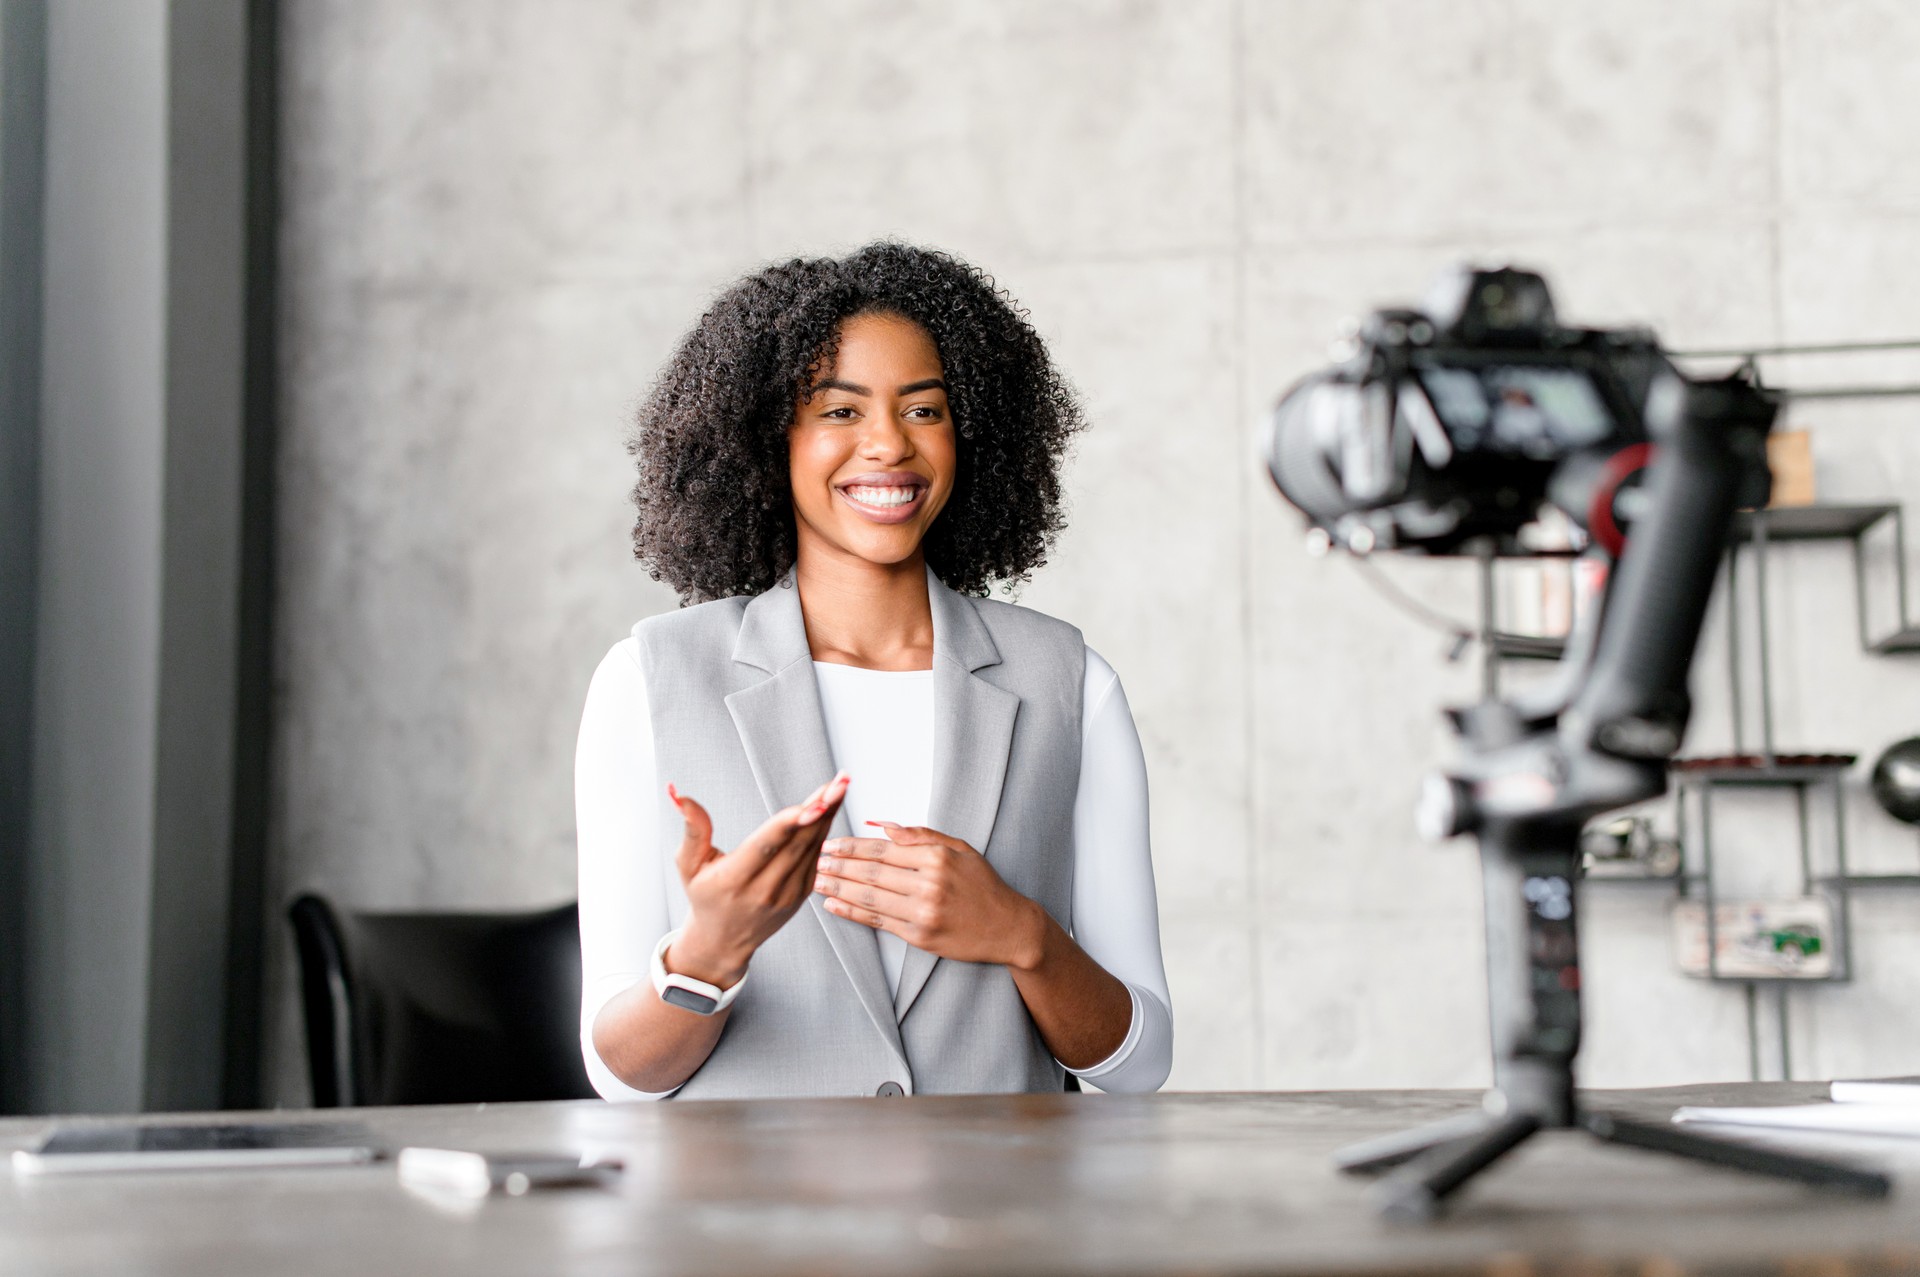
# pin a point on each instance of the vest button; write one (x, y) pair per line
(890, 1089)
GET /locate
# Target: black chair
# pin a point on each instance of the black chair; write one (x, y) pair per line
(440, 1008)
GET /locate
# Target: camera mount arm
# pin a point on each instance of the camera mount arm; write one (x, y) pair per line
(1635, 703)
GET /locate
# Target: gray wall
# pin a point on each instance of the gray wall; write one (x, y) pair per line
(500, 216)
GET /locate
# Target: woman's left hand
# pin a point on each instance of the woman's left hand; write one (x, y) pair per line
(935, 892)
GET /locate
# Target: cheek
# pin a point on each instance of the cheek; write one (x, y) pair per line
(813, 457)
(943, 453)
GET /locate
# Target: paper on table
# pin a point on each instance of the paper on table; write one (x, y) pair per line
(1886, 1090)
(1848, 1119)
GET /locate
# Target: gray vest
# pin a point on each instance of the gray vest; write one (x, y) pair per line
(737, 725)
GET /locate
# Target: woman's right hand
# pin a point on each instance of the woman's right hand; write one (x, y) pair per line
(740, 898)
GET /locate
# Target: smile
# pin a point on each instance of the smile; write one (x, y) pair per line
(884, 498)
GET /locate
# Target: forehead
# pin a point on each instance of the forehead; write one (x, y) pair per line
(890, 349)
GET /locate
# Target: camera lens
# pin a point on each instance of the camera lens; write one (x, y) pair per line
(1299, 453)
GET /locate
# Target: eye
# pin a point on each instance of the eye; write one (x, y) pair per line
(925, 412)
(842, 413)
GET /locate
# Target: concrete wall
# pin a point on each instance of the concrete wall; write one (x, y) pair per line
(500, 217)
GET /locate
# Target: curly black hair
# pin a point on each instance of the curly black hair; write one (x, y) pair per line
(714, 498)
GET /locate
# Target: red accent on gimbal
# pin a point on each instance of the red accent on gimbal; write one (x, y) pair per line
(1619, 468)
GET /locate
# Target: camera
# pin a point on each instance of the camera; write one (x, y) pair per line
(1446, 428)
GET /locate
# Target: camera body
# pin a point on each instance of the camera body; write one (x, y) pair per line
(1450, 426)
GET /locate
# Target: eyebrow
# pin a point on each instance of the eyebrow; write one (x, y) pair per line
(911, 388)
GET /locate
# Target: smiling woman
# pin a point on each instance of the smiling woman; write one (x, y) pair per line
(841, 455)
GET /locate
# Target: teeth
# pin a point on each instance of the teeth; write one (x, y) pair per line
(882, 497)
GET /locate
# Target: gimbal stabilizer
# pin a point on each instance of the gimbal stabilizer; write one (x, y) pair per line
(1445, 431)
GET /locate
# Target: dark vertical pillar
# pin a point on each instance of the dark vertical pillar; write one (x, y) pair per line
(23, 68)
(259, 513)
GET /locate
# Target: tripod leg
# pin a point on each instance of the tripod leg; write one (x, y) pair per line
(1415, 1191)
(1383, 1153)
(1739, 1157)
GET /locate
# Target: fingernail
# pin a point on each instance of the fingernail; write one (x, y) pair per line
(673, 793)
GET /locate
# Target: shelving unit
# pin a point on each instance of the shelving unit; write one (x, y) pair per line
(1755, 530)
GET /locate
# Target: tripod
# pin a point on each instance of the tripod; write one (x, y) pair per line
(1537, 1028)
(1535, 770)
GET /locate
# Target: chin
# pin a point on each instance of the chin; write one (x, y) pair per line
(887, 552)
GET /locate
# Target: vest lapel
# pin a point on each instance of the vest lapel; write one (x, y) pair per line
(784, 735)
(972, 734)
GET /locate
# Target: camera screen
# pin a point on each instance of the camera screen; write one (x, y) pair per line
(1520, 409)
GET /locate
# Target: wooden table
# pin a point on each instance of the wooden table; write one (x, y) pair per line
(1025, 1184)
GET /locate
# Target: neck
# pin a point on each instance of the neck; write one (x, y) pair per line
(874, 615)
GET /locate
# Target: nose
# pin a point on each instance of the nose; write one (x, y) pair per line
(884, 442)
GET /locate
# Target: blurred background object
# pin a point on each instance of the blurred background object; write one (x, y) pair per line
(1896, 780)
(1790, 457)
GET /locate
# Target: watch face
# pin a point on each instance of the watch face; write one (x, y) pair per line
(687, 1000)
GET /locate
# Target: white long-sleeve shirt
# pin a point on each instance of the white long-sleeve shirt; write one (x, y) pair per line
(880, 729)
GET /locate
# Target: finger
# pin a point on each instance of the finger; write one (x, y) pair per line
(788, 860)
(880, 849)
(873, 873)
(919, 835)
(825, 799)
(784, 829)
(696, 846)
(796, 861)
(870, 917)
(879, 897)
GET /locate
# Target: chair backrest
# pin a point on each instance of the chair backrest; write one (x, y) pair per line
(440, 1008)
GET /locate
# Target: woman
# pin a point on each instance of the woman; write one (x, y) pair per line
(938, 878)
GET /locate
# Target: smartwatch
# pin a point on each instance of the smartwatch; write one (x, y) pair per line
(684, 991)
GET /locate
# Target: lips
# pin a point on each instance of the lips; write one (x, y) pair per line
(884, 498)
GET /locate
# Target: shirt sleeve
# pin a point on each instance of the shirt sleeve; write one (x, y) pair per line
(623, 905)
(1116, 917)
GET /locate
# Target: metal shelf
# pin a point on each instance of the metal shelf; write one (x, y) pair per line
(1761, 775)
(1904, 640)
(1873, 880)
(1811, 522)
(1679, 882)
(1525, 647)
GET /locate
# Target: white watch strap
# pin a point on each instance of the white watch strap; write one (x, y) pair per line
(684, 991)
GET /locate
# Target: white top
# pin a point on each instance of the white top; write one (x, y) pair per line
(880, 728)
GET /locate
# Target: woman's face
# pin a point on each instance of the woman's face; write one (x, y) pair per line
(871, 451)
